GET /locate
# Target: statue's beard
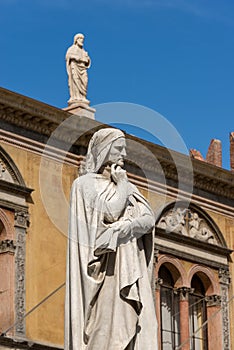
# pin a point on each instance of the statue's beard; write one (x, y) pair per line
(120, 162)
(109, 163)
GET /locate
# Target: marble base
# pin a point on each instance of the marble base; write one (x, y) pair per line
(81, 109)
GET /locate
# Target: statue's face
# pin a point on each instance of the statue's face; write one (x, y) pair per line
(80, 41)
(118, 152)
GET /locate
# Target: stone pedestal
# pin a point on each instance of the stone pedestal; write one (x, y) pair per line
(81, 109)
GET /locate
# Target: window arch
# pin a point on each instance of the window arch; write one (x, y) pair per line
(175, 267)
(207, 278)
(169, 310)
(6, 227)
(1, 229)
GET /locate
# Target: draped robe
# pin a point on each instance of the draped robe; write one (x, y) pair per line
(109, 302)
(77, 62)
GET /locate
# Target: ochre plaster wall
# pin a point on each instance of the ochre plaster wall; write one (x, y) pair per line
(45, 244)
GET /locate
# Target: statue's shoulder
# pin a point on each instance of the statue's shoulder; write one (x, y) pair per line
(85, 180)
(133, 188)
(71, 50)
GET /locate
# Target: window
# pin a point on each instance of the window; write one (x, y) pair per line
(170, 317)
(198, 316)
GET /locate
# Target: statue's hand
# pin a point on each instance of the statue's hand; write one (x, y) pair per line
(123, 228)
(118, 174)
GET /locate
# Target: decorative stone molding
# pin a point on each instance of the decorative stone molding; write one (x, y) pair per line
(156, 256)
(224, 279)
(8, 170)
(7, 343)
(158, 283)
(213, 300)
(21, 219)
(21, 224)
(187, 222)
(20, 282)
(2, 168)
(184, 292)
(7, 246)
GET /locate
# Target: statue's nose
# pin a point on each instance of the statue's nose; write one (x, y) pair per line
(123, 153)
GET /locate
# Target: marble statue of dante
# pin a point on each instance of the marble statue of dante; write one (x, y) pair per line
(109, 300)
(77, 63)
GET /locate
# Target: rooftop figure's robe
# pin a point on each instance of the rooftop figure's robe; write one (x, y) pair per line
(77, 62)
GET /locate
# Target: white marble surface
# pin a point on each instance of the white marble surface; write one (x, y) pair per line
(109, 300)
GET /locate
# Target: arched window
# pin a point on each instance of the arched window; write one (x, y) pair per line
(170, 317)
(198, 316)
(1, 229)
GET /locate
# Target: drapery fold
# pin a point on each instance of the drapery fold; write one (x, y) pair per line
(109, 302)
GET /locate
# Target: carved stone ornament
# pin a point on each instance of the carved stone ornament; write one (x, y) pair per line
(187, 222)
(22, 219)
(21, 222)
(158, 283)
(7, 246)
(184, 292)
(213, 300)
(4, 172)
(224, 279)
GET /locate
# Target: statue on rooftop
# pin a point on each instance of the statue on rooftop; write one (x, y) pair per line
(77, 63)
(109, 300)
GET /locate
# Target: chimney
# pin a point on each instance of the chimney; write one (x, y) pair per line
(196, 154)
(232, 151)
(214, 154)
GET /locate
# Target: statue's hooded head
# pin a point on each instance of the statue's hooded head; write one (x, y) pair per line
(99, 148)
(77, 37)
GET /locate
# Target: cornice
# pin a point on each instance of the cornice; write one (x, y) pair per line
(22, 343)
(34, 116)
(15, 188)
(187, 241)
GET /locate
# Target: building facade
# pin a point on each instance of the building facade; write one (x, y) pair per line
(41, 150)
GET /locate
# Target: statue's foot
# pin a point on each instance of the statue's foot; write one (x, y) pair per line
(72, 101)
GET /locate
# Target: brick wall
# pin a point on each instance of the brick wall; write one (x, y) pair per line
(232, 151)
(214, 154)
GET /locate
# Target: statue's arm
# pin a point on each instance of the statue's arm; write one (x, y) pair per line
(114, 207)
(143, 223)
(72, 56)
(136, 227)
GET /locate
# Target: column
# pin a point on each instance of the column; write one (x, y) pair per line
(158, 283)
(7, 279)
(214, 317)
(184, 317)
(21, 224)
(224, 280)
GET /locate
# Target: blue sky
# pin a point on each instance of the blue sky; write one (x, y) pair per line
(173, 56)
